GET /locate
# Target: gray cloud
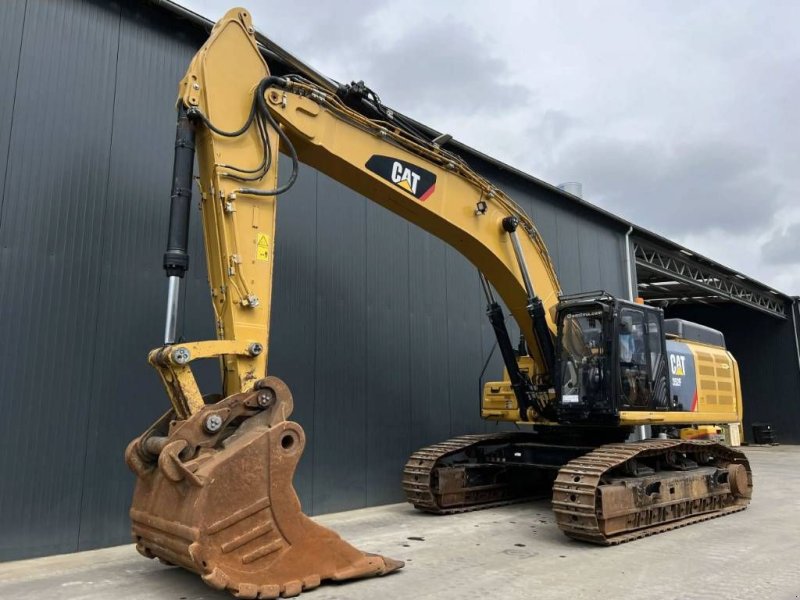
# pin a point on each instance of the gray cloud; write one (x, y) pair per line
(305, 27)
(312, 28)
(783, 248)
(553, 127)
(443, 66)
(431, 65)
(692, 187)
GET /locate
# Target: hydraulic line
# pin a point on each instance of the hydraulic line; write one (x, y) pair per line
(260, 114)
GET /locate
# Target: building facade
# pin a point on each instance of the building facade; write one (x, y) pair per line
(377, 327)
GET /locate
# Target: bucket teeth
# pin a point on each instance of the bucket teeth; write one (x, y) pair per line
(216, 579)
(234, 518)
(269, 591)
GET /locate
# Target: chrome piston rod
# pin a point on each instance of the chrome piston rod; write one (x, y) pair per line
(510, 225)
(173, 295)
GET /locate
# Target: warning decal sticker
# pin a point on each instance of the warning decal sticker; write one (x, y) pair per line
(262, 247)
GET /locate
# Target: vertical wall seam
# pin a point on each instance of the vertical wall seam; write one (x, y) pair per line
(13, 108)
(103, 242)
(578, 227)
(447, 331)
(315, 400)
(365, 379)
(410, 446)
(793, 306)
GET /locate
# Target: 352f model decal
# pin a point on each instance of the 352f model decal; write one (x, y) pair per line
(415, 180)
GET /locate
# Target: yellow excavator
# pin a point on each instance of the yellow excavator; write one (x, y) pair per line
(214, 474)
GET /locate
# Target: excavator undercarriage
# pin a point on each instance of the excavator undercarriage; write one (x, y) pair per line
(606, 495)
(472, 472)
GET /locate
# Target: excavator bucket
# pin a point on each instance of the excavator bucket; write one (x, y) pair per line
(214, 495)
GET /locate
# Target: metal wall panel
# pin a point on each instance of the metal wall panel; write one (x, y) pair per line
(545, 216)
(387, 362)
(429, 348)
(340, 405)
(464, 352)
(125, 393)
(378, 327)
(50, 261)
(568, 264)
(292, 344)
(588, 243)
(12, 21)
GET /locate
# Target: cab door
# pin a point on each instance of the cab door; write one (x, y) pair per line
(641, 367)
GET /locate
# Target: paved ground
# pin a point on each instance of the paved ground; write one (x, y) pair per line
(513, 552)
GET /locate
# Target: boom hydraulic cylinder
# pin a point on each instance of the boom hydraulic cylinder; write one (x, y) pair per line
(176, 258)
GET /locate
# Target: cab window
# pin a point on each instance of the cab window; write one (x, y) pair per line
(654, 341)
(633, 359)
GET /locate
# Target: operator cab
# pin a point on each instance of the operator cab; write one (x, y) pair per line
(610, 357)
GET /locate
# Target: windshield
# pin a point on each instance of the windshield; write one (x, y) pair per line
(581, 355)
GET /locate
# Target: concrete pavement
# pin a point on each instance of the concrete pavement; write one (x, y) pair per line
(502, 554)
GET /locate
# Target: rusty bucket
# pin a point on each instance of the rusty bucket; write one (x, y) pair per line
(214, 495)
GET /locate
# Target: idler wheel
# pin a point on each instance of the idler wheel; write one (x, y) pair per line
(737, 479)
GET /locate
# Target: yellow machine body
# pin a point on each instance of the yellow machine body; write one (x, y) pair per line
(715, 399)
(214, 474)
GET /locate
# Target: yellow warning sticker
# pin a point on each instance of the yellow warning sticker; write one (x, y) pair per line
(262, 247)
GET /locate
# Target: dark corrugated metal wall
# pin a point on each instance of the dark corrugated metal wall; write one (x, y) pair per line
(53, 205)
(91, 130)
(377, 327)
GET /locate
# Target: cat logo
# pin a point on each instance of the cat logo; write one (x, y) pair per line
(405, 177)
(677, 364)
(413, 179)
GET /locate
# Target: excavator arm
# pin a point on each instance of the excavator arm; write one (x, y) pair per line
(239, 114)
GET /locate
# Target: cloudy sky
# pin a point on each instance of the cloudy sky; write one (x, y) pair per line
(681, 116)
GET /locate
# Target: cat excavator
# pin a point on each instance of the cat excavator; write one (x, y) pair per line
(214, 474)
